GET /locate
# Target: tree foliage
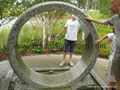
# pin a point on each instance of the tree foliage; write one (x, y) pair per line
(104, 7)
(16, 7)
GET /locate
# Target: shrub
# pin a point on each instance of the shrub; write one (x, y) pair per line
(4, 37)
(31, 38)
(80, 45)
(56, 45)
(3, 49)
(38, 50)
(22, 50)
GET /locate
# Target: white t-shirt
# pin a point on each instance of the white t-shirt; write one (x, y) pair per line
(72, 29)
(112, 37)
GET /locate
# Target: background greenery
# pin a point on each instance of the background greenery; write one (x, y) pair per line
(30, 39)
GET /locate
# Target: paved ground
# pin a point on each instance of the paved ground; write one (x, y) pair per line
(51, 60)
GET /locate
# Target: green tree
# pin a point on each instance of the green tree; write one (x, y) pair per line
(104, 7)
(1, 11)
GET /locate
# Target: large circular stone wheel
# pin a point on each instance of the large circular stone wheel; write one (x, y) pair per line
(68, 78)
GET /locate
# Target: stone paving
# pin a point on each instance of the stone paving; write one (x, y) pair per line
(44, 61)
(51, 60)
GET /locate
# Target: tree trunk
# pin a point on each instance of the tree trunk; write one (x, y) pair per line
(49, 34)
(1, 16)
(49, 29)
(44, 31)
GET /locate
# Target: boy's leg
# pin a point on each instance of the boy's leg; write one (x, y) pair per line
(63, 62)
(70, 60)
(64, 56)
(72, 48)
(71, 56)
(66, 46)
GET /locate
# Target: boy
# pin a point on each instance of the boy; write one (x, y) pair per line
(72, 26)
(111, 77)
(115, 22)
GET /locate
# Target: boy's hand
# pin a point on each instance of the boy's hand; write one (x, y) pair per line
(57, 35)
(97, 42)
(89, 18)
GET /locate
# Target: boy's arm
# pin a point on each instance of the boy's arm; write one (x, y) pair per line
(61, 31)
(101, 21)
(100, 40)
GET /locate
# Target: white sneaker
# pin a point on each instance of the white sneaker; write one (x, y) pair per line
(71, 63)
(62, 64)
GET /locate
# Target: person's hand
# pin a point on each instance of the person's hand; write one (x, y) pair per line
(97, 42)
(57, 35)
(89, 18)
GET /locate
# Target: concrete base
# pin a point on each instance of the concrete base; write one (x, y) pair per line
(70, 77)
(87, 83)
(42, 64)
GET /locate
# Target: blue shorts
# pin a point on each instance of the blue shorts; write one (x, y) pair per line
(69, 46)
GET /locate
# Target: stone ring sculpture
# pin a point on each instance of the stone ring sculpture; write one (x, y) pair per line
(68, 78)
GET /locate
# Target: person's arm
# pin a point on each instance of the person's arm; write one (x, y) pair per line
(101, 21)
(100, 40)
(63, 30)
